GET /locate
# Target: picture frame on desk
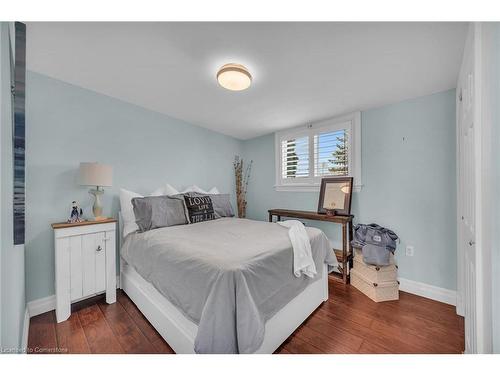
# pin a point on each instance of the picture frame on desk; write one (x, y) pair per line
(335, 196)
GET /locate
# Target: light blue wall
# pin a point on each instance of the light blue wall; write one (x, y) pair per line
(68, 124)
(409, 185)
(12, 295)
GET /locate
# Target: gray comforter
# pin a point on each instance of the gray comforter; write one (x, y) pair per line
(229, 275)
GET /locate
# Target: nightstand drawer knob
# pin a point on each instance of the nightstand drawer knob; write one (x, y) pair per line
(99, 248)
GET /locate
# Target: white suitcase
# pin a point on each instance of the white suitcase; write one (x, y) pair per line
(376, 274)
(378, 292)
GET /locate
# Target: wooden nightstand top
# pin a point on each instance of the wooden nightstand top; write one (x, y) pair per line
(83, 223)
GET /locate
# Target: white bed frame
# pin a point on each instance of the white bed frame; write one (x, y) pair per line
(179, 332)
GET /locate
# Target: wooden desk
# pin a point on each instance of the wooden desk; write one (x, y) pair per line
(344, 256)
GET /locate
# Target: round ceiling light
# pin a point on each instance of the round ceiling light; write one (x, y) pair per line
(234, 77)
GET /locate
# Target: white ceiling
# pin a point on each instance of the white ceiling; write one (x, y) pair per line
(302, 72)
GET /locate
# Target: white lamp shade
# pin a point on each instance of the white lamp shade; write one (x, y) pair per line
(95, 174)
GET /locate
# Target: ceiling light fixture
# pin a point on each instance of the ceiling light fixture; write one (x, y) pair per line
(234, 77)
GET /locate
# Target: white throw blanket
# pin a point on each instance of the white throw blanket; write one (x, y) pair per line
(303, 262)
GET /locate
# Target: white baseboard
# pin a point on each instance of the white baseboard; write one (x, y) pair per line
(26, 330)
(42, 305)
(428, 291)
(46, 304)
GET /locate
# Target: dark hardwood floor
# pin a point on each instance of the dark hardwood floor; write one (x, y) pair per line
(348, 322)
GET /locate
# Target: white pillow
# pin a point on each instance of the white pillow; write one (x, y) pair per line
(127, 210)
(213, 190)
(158, 192)
(195, 189)
(169, 190)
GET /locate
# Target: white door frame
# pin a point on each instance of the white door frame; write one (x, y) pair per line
(478, 135)
(1, 124)
(460, 303)
(482, 131)
(486, 48)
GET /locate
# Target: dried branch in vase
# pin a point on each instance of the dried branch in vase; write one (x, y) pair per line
(241, 184)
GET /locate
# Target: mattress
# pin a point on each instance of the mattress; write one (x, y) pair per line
(228, 276)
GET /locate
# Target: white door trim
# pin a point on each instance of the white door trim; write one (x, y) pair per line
(482, 116)
(478, 157)
(460, 254)
(482, 129)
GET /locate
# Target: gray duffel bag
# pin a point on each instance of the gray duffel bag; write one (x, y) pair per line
(376, 242)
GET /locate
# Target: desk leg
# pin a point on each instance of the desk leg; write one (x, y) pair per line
(344, 254)
(270, 217)
(351, 237)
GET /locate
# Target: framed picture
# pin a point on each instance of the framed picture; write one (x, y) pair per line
(335, 195)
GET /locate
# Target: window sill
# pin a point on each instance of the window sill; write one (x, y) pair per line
(308, 188)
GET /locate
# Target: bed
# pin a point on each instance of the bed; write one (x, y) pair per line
(222, 286)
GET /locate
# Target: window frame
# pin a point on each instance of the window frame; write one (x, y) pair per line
(311, 183)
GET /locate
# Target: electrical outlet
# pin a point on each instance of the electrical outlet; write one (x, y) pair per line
(409, 251)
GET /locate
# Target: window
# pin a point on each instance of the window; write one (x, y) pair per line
(306, 154)
(295, 157)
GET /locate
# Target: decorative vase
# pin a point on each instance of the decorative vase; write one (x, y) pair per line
(241, 184)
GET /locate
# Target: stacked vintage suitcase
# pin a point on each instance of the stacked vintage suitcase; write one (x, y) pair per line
(380, 283)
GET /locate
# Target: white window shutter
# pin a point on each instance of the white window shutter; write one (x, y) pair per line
(295, 158)
(331, 153)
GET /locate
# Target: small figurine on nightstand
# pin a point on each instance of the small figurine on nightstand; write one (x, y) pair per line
(76, 213)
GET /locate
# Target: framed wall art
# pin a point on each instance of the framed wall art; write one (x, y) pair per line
(335, 196)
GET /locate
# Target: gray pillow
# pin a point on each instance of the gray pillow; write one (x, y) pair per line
(221, 203)
(158, 212)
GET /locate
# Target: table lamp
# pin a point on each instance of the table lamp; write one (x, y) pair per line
(98, 175)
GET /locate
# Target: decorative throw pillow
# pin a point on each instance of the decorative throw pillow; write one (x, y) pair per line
(127, 210)
(221, 203)
(158, 212)
(199, 208)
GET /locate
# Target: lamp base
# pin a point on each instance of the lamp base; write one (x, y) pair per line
(97, 207)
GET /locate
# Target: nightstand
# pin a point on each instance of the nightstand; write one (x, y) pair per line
(85, 256)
